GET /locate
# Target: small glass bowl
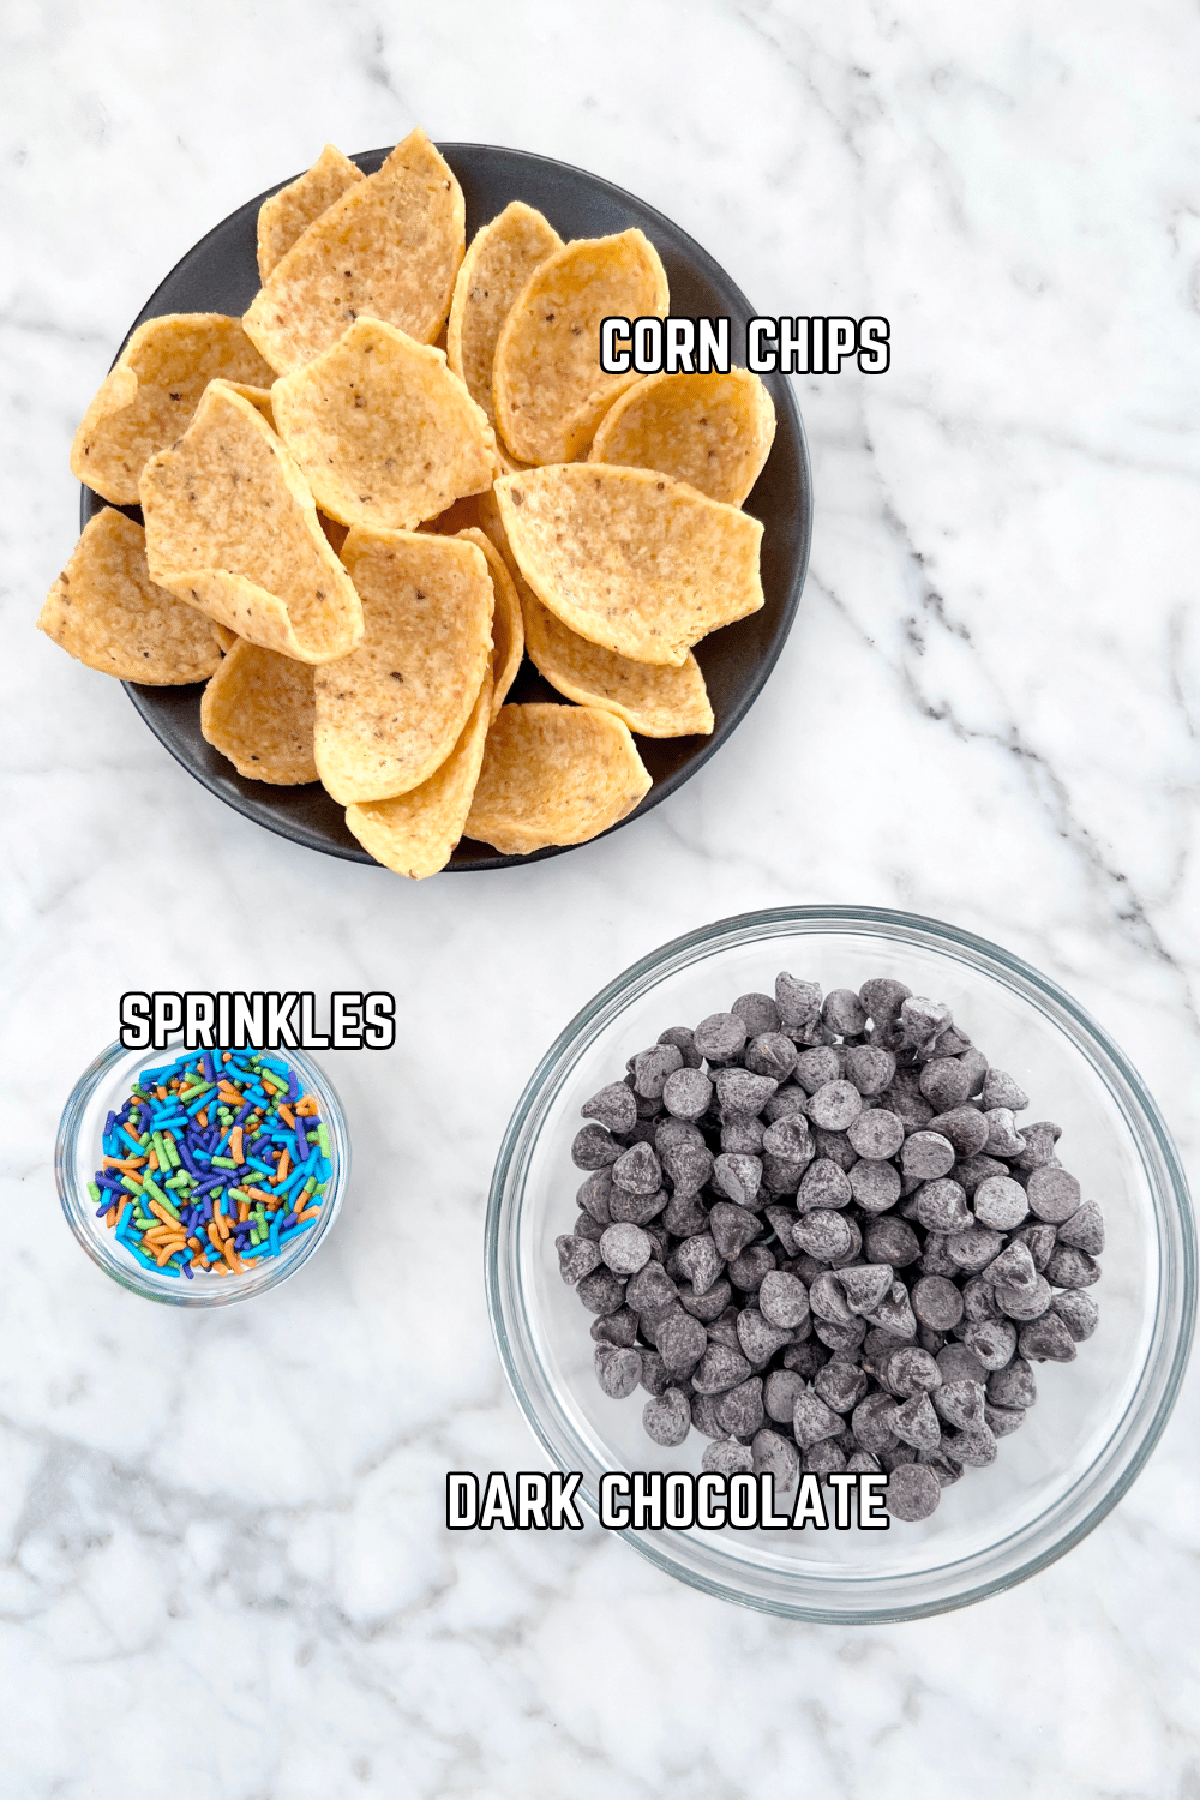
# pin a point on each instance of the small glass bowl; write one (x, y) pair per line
(1096, 1419)
(102, 1088)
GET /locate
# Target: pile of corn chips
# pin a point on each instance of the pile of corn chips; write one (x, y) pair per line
(404, 467)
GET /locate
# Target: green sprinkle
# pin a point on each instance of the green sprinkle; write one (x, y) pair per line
(225, 1162)
(323, 1138)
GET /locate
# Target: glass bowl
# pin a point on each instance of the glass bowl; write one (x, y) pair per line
(1096, 1419)
(102, 1088)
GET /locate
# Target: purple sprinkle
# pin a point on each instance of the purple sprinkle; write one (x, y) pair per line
(206, 1059)
(301, 1143)
(187, 1269)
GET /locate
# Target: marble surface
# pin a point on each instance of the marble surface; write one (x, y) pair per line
(222, 1568)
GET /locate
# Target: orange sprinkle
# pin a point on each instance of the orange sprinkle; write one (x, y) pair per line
(126, 1163)
(285, 1113)
(195, 1244)
(235, 1143)
(232, 1258)
(202, 1116)
(153, 1163)
(214, 1236)
(160, 1212)
(110, 1217)
(243, 1211)
(306, 1104)
(281, 1172)
(309, 1212)
(161, 1092)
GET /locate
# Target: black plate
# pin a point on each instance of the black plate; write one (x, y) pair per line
(220, 274)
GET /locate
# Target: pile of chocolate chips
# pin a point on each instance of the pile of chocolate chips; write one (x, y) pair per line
(813, 1229)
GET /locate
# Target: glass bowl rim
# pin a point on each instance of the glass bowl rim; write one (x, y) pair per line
(1139, 1113)
(192, 1295)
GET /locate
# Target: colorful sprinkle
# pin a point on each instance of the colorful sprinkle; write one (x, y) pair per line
(204, 1170)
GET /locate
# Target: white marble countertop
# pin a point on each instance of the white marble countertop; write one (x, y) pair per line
(222, 1568)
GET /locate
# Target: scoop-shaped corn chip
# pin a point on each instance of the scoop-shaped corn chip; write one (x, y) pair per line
(629, 559)
(502, 257)
(289, 213)
(147, 400)
(231, 527)
(386, 436)
(106, 612)
(388, 249)
(549, 390)
(258, 711)
(655, 700)
(491, 523)
(508, 630)
(712, 431)
(554, 775)
(259, 398)
(390, 713)
(415, 833)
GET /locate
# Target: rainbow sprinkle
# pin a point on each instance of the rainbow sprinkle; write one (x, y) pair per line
(213, 1161)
